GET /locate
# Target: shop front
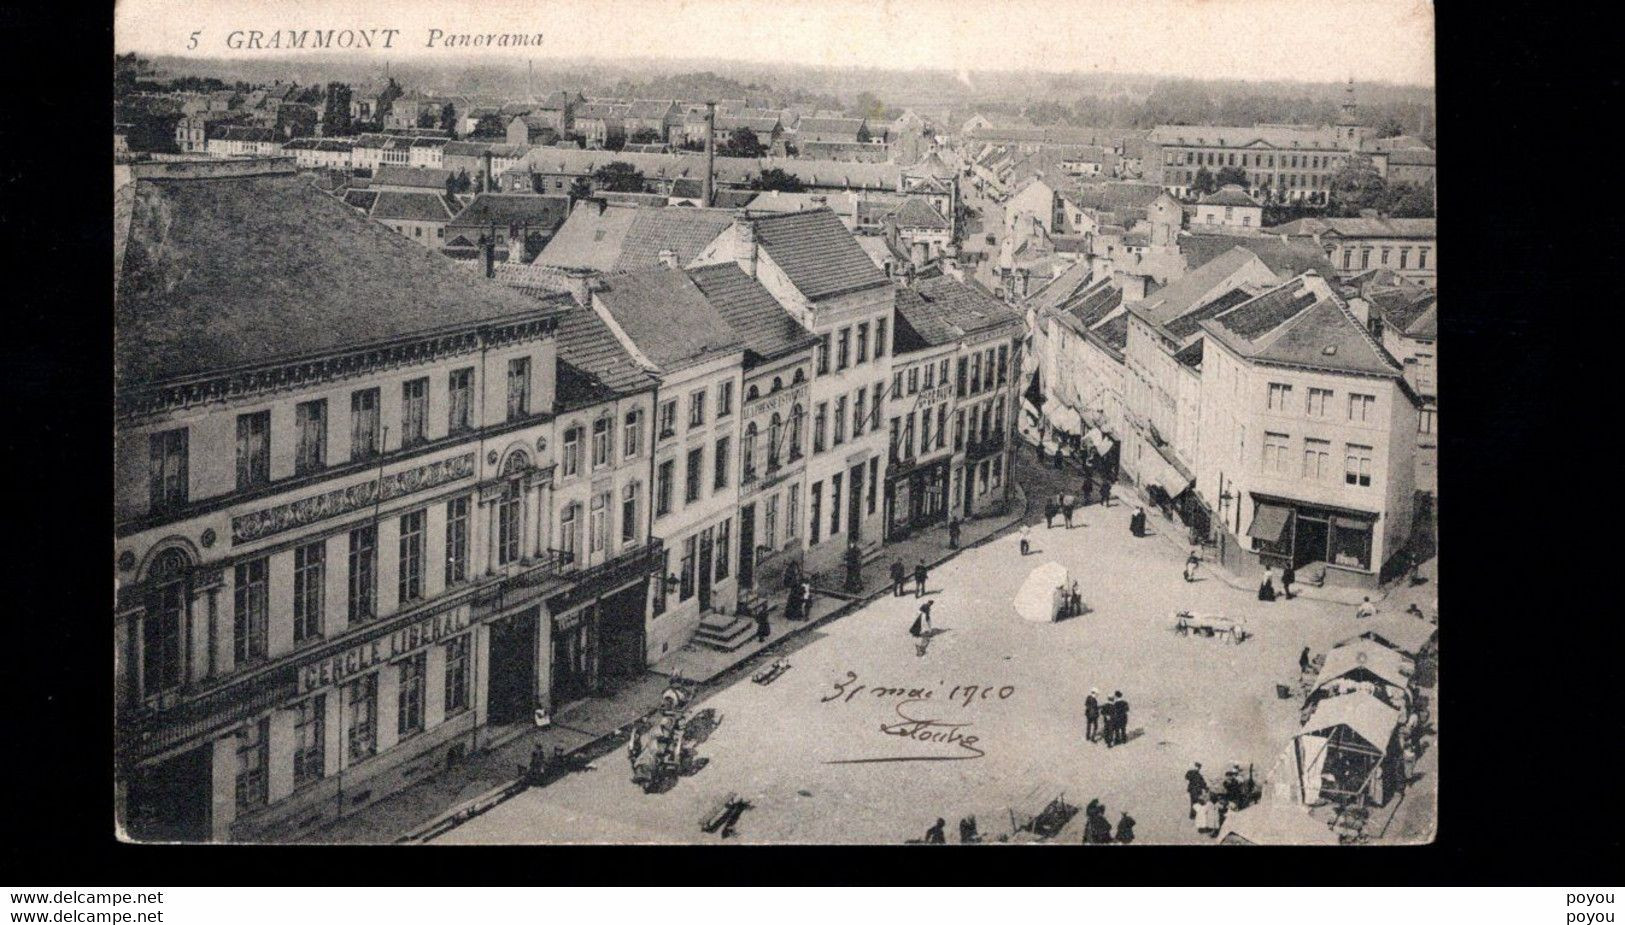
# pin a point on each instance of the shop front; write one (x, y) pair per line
(1285, 532)
(917, 498)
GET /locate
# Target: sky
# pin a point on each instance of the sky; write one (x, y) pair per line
(1307, 40)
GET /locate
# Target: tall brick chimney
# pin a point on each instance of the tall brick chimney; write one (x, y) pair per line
(488, 182)
(711, 153)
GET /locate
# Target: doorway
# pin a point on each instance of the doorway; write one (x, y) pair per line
(620, 633)
(747, 547)
(169, 801)
(512, 688)
(707, 549)
(1309, 537)
(572, 658)
(854, 506)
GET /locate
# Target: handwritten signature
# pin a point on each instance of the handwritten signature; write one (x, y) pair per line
(919, 729)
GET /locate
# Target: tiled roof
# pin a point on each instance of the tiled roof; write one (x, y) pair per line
(541, 212)
(668, 317)
(360, 198)
(1113, 197)
(817, 253)
(1280, 137)
(221, 273)
(1114, 333)
(1191, 322)
(688, 188)
(684, 231)
(944, 310)
(1326, 335)
(1284, 258)
(1196, 286)
(765, 328)
(1056, 291)
(1229, 195)
(649, 109)
(587, 344)
(429, 178)
(811, 125)
(410, 207)
(1263, 313)
(1408, 312)
(1361, 227)
(919, 213)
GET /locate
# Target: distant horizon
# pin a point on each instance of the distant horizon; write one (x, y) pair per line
(1387, 42)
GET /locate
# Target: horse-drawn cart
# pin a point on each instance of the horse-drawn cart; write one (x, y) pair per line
(1213, 626)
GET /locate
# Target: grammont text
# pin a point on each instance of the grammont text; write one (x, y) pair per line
(312, 38)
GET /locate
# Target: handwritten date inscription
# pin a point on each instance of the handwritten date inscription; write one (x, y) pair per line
(923, 716)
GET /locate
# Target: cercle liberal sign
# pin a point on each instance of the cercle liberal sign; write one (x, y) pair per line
(257, 525)
(404, 641)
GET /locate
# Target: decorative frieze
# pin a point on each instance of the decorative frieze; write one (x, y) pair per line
(257, 525)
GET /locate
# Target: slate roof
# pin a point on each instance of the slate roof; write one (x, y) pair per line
(223, 273)
(505, 209)
(650, 109)
(1094, 304)
(817, 253)
(1361, 227)
(1114, 332)
(601, 365)
(1284, 258)
(1229, 195)
(620, 239)
(668, 317)
(1056, 291)
(1410, 313)
(1112, 197)
(1192, 289)
(811, 125)
(764, 327)
(943, 310)
(1269, 310)
(1191, 322)
(429, 178)
(360, 198)
(919, 213)
(410, 207)
(1280, 137)
(1295, 325)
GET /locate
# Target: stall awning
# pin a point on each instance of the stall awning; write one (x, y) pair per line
(1269, 522)
(1100, 440)
(1162, 473)
(1064, 418)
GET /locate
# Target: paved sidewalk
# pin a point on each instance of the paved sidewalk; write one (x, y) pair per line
(591, 727)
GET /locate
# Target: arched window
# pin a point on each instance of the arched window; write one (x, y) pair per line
(169, 586)
(799, 378)
(796, 415)
(753, 394)
(510, 509)
(778, 383)
(773, 432)
(748, 452)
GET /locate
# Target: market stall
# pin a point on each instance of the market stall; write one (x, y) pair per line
(1363, 666)
(1043, 594)
(1348, 751)
(1275, 823)
(1400, 632)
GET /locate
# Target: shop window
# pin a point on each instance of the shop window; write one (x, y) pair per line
(1351, 543)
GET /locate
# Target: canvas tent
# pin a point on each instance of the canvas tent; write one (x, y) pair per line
(1275, 823)
(1347, 750)
(1398, 631)
(1040, 597)
(1363, 665)
(1064, 419)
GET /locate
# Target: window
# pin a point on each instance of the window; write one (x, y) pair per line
(1351, 542)
(361, 718)
(658, 605)
(252, 599)
(1279, 395)
(167, 470)
(364, 424)
(998, 471)
(410, 582)
(976, 374)
(363, 573)
(835, 504)
(1004, 364)
(942, 426)
(874, 413)
(510, 512)
(685, 572)
(959, 430)
(629, 513)
(1385, 252)
(691, 484)
(1361, 406)
(1348, 259)
(668, 419)
(253, 449)
(518, 388)
(1276, 447)
(930, 376)
(913, 380)
(857, 412)
(1404, 258)
(748, 457)
(880, 338)
(823, 355)
(456, 541)
(796, 415)
(1357, 465)
(820, 419)
(414, 411)
(310, 418)
(253, 754)
(663, 480)
(310, 741)
(1319, 400)
(897, 384)
(814, 512)
(839, 435)
(631, 434)
(792, 510)
(569, 523)
(1424, 372)
(409, 716)
(309, 578)
(725, 399)
(1365, 258)
(696, 409)
(863, 342)
(925, 430)
(1317, 459)
(600, 442)
(843, 349)
(457, 675)
(460, 387)
(570, 455)
(721, 461)
(1421, 258)
(722, 557)
(161, 627)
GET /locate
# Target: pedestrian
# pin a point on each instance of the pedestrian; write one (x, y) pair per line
(1136, 522)
(1091, 715)
(897, 576)
(1067, 504)
(935, 835)
(1088, 486)
(792, 603)
(1289, 575)
(1096, 830)
(922, 621)
(1108, 721)
(1058, 459)
(919, 579)
(1366, 609)
(1266, 588)
(1050, 510)
(1303, 660)
(1207, 816)
(953, 534)
(805, 610)
(763, 629)
(967, 831)
(1125, 829)
(1195, 786)
(1106, 494)
(1191, 562)
(1122, 719)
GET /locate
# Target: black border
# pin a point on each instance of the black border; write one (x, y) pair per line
(1531, 689)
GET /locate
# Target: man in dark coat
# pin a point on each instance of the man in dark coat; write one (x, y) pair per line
(1108, 721)
(763, 629)
(1303, 660)
(919, 579)
(1125, 829)
(935, 834)
(1289, 575)
(953, 534)
(897, 576)
(1122, 719)
(1050, 510)
(1091, 715)
(1096, 830)
(1195, 785)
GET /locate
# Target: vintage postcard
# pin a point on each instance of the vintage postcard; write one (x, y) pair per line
(844, 422)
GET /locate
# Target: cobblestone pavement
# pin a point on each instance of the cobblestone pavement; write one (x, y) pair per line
(802, 750)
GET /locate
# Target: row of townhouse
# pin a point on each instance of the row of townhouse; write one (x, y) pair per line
(445, 507)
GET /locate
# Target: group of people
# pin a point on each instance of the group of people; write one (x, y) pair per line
(1209, 808)
(1266, 588)
(1062, 504)
(1106, 722)
(899, 578)
(798, 600)
(1137, 522)
(1097, 831)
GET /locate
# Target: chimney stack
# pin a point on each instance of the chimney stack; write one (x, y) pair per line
(487, 181)
(746, 231)
(668, 259)
(710, 153)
